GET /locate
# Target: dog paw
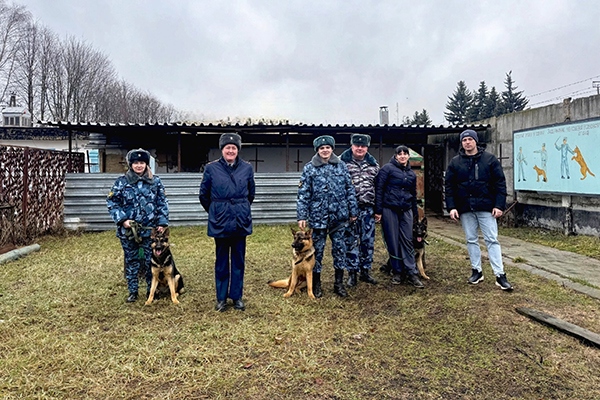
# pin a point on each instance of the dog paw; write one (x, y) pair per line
(148, 302)
(287, 294)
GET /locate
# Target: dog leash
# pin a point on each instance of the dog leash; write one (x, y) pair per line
(133, 233)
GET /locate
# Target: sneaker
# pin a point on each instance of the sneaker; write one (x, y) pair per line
(397, 279)
(414, 280)
(503, 283)
(239, 305)
(476, 277)
(221, 306)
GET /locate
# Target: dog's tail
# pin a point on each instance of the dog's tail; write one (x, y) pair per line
(283, 283)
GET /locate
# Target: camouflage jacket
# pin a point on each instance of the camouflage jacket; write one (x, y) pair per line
(363, 175)
(138, 198)
(326, 196)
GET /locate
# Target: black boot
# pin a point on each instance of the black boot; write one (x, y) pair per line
(366, 277)
(338, 286)
(132, 297)
(352, 279)
(316, 285)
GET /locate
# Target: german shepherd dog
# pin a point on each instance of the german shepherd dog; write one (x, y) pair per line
(164, 273)
(303, 262)
(419, 242)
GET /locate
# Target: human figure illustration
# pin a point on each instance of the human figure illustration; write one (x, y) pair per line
(543, 156)
(564, 149)
(521, 160)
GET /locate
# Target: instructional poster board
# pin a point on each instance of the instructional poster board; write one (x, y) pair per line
(561, 158)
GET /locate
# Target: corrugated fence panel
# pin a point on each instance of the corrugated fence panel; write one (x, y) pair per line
(85, 200)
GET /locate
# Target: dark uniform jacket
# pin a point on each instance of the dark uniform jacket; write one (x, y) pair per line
(396, 188)
(475, 183)
(226, 194)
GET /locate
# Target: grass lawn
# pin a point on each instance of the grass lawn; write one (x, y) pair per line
(67, 333)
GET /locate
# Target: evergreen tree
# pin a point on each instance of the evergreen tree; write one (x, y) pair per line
(493, 104)
(458, 104)
(511, 99)
(477, 110)
(421, 118)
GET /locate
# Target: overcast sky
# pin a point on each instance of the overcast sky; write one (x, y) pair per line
(335, 61)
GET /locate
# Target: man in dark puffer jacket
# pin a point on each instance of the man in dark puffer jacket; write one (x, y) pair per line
(476, 192)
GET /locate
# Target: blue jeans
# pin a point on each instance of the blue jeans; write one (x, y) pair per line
(489, 227)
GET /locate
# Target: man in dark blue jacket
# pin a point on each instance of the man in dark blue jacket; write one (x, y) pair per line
(226, 193)
(476, 193)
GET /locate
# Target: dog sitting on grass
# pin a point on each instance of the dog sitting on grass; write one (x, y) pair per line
(164, 273)
(303, 262)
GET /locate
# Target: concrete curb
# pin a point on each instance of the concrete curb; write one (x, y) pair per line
(17, 253)
(564, 281)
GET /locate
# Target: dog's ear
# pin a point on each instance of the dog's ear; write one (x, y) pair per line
(424, 221)
(166, 232)
(293, 230)
(153, 234)
(309, 232)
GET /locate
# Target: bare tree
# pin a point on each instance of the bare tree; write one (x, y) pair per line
(13, 20)
(78, 76)
(67, 80)
(25, 82)
(48, 50)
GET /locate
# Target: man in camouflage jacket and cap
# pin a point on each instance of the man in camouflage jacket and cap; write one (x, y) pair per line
(327, 202)
(360, 235)
(137, 203)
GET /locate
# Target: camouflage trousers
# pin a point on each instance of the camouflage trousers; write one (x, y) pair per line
(360, 241)
(133, 263)
(338, 247)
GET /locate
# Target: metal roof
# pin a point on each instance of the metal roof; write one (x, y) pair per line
(269, 134)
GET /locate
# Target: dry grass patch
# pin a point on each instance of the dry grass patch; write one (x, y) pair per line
(68, 333)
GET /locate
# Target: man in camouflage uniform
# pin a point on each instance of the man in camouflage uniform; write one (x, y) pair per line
(360, 235)
(137, 203)
(326, 203)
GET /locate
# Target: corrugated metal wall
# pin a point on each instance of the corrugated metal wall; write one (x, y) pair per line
(85, 200)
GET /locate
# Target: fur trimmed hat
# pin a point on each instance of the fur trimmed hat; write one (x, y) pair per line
(360, 139)
(469, 133)
(323, 141)
(138, 155)
(230, 138)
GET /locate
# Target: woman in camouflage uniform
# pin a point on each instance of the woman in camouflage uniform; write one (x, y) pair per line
(137, 203)
(326, 203)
